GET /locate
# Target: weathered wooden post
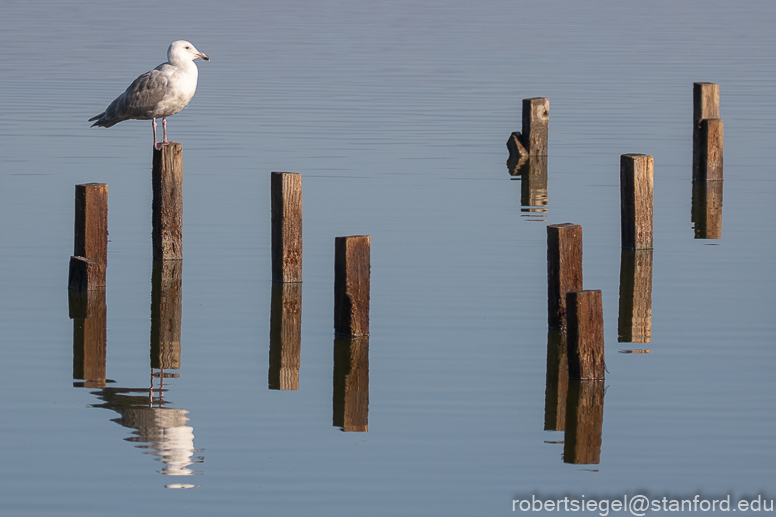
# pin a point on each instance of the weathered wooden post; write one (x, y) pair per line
(585, 316)
(711, 143)
(534, 137)
(705, 106)
(285, 336)
(351, 285)
(584, 422)
(557, 381)
(90, 258)
(167, 217)
(564, 269)
(350, 400)
(707, 209)
(286, 226)
(636, 186)
(166, 310)
(89, 314)
(634, 324)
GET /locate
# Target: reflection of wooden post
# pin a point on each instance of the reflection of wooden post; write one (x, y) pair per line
(584, 422)
(90, 260)
(533, 139)
(705, 105)
(585, 315)
(634, 324)
(286, 226)
(707, 209)
(89, 314)
(351, 285)
(166, 302)
(564, 269)
(557, 382)
(285, 336)
(167, 216)
(711, 135)
(351, 383)
(636, 178)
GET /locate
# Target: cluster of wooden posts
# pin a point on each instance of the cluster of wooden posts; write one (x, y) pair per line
(576, 364)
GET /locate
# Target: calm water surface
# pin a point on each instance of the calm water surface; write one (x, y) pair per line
(396, 114)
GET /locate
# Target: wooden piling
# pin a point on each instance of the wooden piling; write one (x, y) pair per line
(705, 105)
(285, 336)
(350, 400)
(711, 144)
(557, 381)
(167, 217)
(634, 322)
(533, 139)
(584, 422)
(564, 269)
(89, 314)
(636, 186)
(351, 285)
(707, 209)
(585, 337)
(166, 311)
(90, 261)
(286, 190)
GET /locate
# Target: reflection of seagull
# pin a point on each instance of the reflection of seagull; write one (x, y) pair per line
(162, 92)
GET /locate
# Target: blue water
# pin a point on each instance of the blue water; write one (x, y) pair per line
(396, 115)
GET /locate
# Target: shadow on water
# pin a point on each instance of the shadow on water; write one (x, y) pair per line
(158, 429)
(532, 172)
(351, 383)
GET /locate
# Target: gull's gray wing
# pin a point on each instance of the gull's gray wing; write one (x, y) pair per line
(140, 97)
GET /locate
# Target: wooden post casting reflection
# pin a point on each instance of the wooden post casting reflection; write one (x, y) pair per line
(89, 314)
(532, 172)
(634, 324)
(584, 422)
(707, 209)
(557, 382)
(166, 301)
(351, 383)
(285, 336)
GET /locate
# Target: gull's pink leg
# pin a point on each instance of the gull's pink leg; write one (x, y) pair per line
(164, 127)
(153, 124)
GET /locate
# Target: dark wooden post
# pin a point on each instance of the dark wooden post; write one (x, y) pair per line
(286, 226)
(285, 336)
(584, 422)
(564, 269)
(557, 381)
(711, 143)
(166, 309)
(350, 400)
(351, 285)
(90, 261)
(707, 209)
(634, 324)
(705, 105)
(636, 184)
(585, 334)
(534, 137)
(167, 217)
(89, 314)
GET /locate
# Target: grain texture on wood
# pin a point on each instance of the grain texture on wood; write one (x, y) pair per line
(585, 334)
(91, 226)
(533, 140)
(711, 144)
(286, 194)
(351, 285)
(167, 205)
(707, 209)
(705, 105)
(564, 269)
(350, 401)
(285, 336)
(584, 422)
(85, 275)
(166, 310)
(89, 314)
(634, 324)
(636, 192)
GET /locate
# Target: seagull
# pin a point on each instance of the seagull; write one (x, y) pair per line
(162, 92)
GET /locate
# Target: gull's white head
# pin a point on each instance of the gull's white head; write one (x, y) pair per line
(181, 51)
